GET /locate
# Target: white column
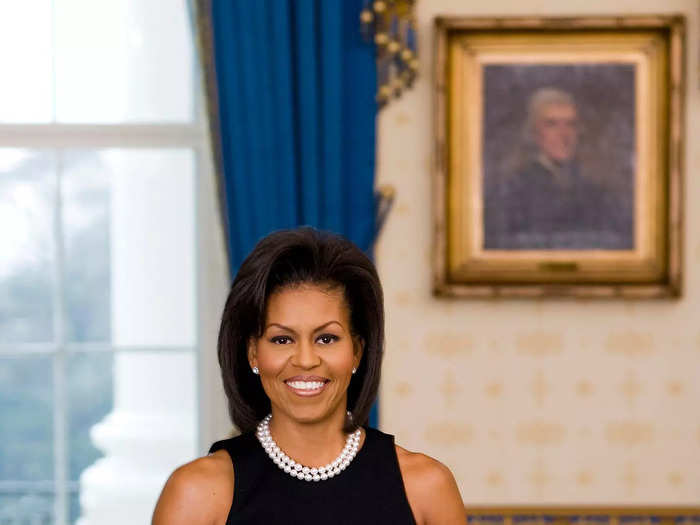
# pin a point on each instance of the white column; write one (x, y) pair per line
(152, 428)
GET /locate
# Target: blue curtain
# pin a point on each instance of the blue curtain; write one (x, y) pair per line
(291, 88)
(295, 85)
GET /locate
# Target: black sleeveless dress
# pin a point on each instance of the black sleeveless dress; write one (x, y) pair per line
(369, 491)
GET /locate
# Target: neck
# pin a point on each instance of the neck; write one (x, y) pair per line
(312, 444)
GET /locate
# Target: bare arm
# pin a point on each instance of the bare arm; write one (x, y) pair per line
(431, 490)
(198, 493)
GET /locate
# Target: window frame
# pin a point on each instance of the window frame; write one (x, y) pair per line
(57, 138)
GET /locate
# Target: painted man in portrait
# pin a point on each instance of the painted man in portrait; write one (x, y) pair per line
(549, 201)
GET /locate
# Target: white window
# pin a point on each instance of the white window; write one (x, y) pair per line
(102, 152)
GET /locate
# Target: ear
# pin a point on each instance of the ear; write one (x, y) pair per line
(252, 352)
(358, 344)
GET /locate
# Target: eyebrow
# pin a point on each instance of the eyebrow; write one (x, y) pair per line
(294, 331)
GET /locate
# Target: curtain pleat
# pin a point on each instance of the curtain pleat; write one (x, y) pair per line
(331, 82)
(283, 112)
(358, 159)
(308, 110)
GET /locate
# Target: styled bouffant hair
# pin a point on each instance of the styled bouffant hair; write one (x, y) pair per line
(288, 258)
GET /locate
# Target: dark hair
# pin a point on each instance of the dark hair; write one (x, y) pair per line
(287, 258)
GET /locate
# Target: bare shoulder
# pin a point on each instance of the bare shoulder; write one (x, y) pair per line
(199, 492)
(431, 489)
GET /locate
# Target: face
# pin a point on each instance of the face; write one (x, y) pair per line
(306, 353)
(556, 131)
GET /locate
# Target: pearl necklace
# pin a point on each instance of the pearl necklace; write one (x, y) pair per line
(299, 471)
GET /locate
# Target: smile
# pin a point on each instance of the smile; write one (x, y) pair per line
(306, 386)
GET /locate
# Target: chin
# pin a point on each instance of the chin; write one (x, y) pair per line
(309, 414)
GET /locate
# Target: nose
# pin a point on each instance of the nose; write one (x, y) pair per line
(305, 356)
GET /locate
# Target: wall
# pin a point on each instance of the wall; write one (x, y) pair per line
(544, 401)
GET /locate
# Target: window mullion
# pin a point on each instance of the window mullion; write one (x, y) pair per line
(60, 411)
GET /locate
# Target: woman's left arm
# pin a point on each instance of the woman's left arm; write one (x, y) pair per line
(431, 490)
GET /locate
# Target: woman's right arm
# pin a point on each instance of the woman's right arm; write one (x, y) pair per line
(198, 493)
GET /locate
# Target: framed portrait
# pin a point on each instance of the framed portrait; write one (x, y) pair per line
(558, 156)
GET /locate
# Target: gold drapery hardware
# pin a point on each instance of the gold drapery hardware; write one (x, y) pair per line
(391, 25)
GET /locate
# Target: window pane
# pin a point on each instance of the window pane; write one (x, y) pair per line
(123, 61)
(90, 391)
(26, 422)
(35, 508)
(74, 507)
(25, 55)
(85, 207)
(26, 231)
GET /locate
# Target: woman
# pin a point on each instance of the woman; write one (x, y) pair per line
(300, 349)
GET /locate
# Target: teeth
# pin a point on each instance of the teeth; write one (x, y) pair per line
(305, 385)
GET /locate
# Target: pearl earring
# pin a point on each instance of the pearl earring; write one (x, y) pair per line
(354, 369)
(255, 370)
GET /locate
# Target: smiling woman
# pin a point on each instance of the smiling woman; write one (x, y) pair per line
(300, 348)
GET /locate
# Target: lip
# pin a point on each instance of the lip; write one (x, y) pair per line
(307, 393)
(307, 378)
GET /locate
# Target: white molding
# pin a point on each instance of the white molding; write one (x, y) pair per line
(49, 349)
(88, 136)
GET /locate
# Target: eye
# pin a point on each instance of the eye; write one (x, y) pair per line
(281, 340)
(326, 339)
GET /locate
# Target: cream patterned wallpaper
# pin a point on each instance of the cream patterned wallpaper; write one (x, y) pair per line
(545, 401)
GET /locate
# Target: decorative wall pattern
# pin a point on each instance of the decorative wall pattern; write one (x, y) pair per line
(545, 401)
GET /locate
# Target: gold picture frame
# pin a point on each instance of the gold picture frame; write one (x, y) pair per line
(558, 165)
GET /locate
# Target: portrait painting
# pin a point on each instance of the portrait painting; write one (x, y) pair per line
(559, 157)
(557, 145)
